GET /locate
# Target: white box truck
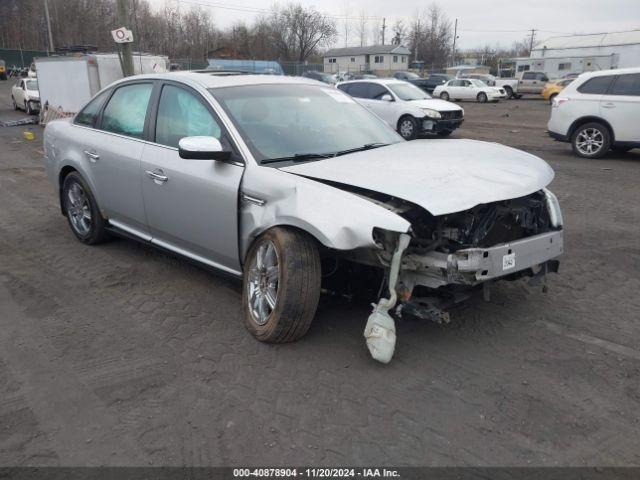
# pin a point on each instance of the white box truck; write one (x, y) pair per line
(67, 82)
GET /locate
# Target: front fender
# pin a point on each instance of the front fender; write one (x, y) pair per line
(337, 219)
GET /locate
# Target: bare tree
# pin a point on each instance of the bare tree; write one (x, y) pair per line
(399, 32)
(362, 28)
(298, 31)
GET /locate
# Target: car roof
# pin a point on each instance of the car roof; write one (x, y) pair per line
(381, 81)
(215, 80)
(617, 71)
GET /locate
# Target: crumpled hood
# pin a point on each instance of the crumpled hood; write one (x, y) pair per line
(435, 104)
(442, 176)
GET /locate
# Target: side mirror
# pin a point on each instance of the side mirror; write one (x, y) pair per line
(386, 98)
(202, 148)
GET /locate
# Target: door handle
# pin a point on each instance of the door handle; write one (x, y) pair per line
(93, 157)
(609, 105)
(157, 176)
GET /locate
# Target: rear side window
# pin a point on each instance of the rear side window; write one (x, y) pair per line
(126, 111)
(626, 85)
(89, 114)
(358, 90)
(344, 88)
(528, 76)
(597, 85)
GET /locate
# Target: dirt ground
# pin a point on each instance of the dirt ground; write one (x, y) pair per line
(123, 355)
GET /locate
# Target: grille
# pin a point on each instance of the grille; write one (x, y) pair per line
(451, 115)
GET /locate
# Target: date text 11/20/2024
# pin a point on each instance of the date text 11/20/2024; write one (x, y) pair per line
(315, 473)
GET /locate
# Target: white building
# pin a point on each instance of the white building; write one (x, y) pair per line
(379, 59)
(582, 53)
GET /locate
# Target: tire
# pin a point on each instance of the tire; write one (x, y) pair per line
(551, 98)
(444, 133)
(408, 127)
(27, 108)
(77, 203)
(600, 140)
(296, 285)
(482, 97)
(444, 96)
(15, 105)
(509, 92)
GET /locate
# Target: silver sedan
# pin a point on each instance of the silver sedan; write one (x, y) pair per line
(293, 186)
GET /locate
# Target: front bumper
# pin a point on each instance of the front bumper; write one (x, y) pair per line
(34, 104)
(473, 266)
(430, 125)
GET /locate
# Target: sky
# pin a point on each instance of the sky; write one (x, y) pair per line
(480, 22)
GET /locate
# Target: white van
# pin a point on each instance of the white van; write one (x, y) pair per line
(599, 111)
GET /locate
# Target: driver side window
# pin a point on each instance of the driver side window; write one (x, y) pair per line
(182, 114)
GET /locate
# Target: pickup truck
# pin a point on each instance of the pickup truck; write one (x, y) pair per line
(532, 82)
(510, 85)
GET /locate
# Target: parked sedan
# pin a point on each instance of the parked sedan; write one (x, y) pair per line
(320, 76)
(415, 79)
(26, 96)
(292, 185)
(469, 89)
(405, 107)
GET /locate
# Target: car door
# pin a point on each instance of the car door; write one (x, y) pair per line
(112, 153)
(191, 205)
(385, 109)
(465, 90)
(526, 83)
(620, 106)
(18, 93)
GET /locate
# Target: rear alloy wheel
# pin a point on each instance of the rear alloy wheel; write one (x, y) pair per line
(591, 140)
(82, 210)
(444, 96)
(482, 97)
(281, 285)
(408, 127)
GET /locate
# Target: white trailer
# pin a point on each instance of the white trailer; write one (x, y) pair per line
(68, 82)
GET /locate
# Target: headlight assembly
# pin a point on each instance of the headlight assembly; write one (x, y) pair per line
(431, 113)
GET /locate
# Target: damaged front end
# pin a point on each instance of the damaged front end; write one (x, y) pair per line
(447, 256)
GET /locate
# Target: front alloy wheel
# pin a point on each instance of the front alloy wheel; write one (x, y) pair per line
(281, 285)
(482, 97)
(591, 140)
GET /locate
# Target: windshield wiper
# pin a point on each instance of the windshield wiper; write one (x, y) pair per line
(366, 146)
(298, 157)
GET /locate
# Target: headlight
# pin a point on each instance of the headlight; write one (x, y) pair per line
(431, 113)
(555, 215)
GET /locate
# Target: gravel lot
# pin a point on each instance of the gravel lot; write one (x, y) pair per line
(124, 355)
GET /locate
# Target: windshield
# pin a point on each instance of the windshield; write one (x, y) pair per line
(288, 120)
(32, 85)
(408, 92)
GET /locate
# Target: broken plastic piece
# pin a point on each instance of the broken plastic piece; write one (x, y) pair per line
(380, 331)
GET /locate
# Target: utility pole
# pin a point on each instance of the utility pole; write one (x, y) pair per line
(455, 37)
(533, 35)
(416, 40)
(48, 19)
(384, 27)
(123, 20)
